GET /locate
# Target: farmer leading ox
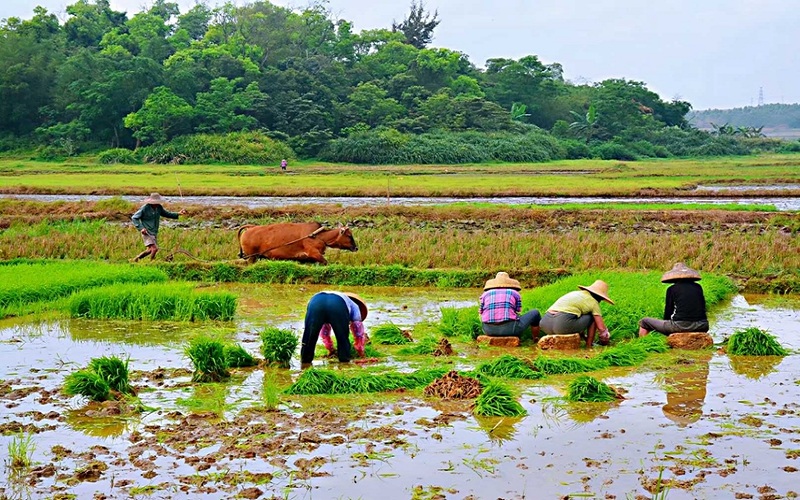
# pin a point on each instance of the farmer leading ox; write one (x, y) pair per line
(303, 242)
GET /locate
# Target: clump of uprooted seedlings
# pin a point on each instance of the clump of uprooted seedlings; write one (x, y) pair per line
(278, 346)
(586, 389)
(237, 357)
(454, 386)
(497, 400)
(389, 334)
(105, 378)
(152, 302)
(315, 381)
(754, 342)
(208, 357)
(508, 366)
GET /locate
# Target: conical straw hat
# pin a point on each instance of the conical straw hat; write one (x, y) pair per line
(362, 306)
(155, 199)
(599, 288)
(502, 280)
(680, 271)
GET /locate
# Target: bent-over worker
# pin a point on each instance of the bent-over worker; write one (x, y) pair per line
(579, 312)
(342, 312)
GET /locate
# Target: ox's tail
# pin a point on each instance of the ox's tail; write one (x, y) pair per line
(239, 239)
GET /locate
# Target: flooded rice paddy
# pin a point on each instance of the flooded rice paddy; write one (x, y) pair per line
(781, 203)
(718, 427)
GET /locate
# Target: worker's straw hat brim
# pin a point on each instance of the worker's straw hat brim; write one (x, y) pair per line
(680, 271)
(599, 288)
(502, 280)
(362, 306)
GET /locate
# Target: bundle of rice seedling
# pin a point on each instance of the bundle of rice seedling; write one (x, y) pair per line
(87, 383)
(369, 351)
(427, 345)
(586, 389)
(454, 386)
(238, 357)
(278, 346)
(315, 381)
(557, 366)
(508, 366)
(208, 358)
(755, 342)
(626, 354)
(389, 334)
(465, 323)
(497, 400)
(655, 342)
(113, 371)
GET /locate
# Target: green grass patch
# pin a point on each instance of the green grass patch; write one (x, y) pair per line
(278, 346)
(755, 342)
(423, 346)
(497, 400)
(388, 334)
(25, 283)
(625, 354)
(208, 358)
(316, 381)
(655, 343)
(586, 389)
(152, 302)
(508, 366)
(237, 357)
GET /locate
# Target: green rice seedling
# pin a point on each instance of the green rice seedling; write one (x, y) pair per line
(497, 400)
(655, 342)
(464, 322)
(316, 381)
(20, 451)
(755, 342)
(270, 391)
(388, 334)
(87, 383)
(626, 354)
(508, 366)
(558, 366)
(586, 389)
(424, 346)
(237, 357)
(369, 351)
(278, 346)
(113, 371)
(208, 357)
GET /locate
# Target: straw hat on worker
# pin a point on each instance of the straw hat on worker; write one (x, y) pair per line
(599, 288)
(502, 280)
(362, 305)
(154, 199)
(680, 271)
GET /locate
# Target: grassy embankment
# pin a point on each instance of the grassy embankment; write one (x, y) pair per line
(562, 178)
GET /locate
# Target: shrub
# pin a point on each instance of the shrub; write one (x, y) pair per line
(208, 357)
(790, 147)
(237, 357)
(576, 150)
(497, 400)
(118, 155)
(586, 389)
(614, 151)
(754, 342)
(238, 148)
(278, 346)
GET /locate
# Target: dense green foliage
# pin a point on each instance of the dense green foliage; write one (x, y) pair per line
(497, 400)
(86, 383)
(237, 148)
(278, 346)
(113, 371)
(754, 342)
(208, 358)
(315, 381)
(586, 389)
(152, 302)
(158, 77)
(24, 283)
(237, 357)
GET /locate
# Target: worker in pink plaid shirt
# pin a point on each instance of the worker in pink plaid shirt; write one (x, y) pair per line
(500, 308)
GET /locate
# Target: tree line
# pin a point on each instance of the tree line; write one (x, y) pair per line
(103, 79)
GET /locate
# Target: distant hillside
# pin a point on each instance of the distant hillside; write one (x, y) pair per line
(777, 119)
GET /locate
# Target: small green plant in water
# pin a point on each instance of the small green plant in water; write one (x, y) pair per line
(271, 391)
(278, 346)
(87, 383)
(497, 400)
(755, 342)
(389, 334)
(20, 451)
(508, 366)
(586, 389)
(238, 357)
(208, 357)
(113, 371)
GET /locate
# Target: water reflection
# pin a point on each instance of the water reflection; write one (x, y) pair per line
(686, 392)
(209, 397)
(499, 429)
(754, 367)
(99, 420)
(137, 333)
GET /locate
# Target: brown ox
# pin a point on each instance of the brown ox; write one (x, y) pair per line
(302, 241)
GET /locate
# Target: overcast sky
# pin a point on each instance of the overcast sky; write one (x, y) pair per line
(712, 53)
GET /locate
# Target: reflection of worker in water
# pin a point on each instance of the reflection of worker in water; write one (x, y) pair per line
(686, 392)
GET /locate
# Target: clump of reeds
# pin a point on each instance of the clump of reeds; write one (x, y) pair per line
(20, 451)
(508, 366)
(755, 342)
(208, 357)
(497, 400)
(464, 322)
(656, 343)
(315, 381)
(558, 366)
(87, 383)
(237, 357)
(627, 354)
(389, 334)
(278, 346)
(586, 389)
(113, 371)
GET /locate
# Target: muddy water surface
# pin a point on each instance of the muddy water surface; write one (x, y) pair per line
(714, 425)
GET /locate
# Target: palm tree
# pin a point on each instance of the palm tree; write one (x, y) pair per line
(518, 111)
(585, 125)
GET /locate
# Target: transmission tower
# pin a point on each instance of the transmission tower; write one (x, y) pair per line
(760, 96)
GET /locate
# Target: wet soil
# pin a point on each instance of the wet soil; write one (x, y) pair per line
(702, 424)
